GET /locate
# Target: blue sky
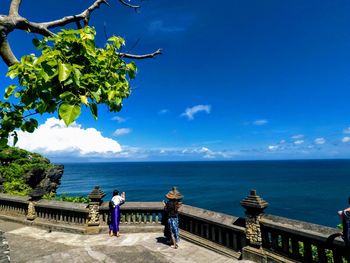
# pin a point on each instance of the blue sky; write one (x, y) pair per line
(238, 80)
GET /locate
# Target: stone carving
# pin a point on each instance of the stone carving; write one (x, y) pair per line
(95, 196)
(94, 215)
(31, 211)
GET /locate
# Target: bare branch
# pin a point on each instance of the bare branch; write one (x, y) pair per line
(70, 19)
(151, 55)
(14, 7)
(6, 52)
(33, 27)
(129, 5)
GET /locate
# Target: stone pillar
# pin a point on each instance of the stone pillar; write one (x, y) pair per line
(35, 195)
(254, 206)
(95, 197)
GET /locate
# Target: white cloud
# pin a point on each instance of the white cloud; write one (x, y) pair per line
(260, 122)
(190, 112)
(298, 136)
(54, 137)
(347, 130)
(158, 26)
(163, 111)
(283, 141)
(298, 142)
(272, 147)
(320, 141)
(118, 119)
(122, 131)
(346, 139)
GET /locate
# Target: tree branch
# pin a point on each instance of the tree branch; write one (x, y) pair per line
(151, 55)
(70, 19)
(14, 7)
(33, 27)
(6, 52)
(129, 5)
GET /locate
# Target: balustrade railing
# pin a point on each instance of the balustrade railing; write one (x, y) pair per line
(224, 230)
(301, 241)
(62, 212)
(269, 235)
(135, 213)
(13, 205)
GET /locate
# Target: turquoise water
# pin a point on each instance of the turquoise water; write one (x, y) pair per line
(308, 190)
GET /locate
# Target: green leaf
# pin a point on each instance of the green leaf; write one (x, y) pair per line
(96, 95)
(111, 94)
(76, 76)
(34, 122)
(9, 91)
(131, 67)
(41, 107)
(93, 109)
(3, 142)
(12, 72)
(36, 42)
(117, 41)
(15, 138)
(64, 71)
(67, 95)
(69, 112)
(28, 126)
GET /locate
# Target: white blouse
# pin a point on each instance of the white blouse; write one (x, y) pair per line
(118, 200)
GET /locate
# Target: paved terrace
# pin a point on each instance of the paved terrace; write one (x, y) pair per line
(30, 244)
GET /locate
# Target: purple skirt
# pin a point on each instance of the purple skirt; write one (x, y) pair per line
(115, 219)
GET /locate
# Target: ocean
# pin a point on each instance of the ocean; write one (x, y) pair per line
(308, 190)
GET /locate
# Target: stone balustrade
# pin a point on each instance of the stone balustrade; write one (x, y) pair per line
(135, 213)
(220, 232)
(301, 241)
(259, 237)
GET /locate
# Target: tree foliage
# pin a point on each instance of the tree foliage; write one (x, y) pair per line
(70, 73)
(14, 164)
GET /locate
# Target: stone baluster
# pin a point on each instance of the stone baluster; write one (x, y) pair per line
(93, 222)
(254, 206)
(35, 195)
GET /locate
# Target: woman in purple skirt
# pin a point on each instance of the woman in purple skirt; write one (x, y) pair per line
(114, 212)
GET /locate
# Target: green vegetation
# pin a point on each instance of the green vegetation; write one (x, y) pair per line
(67, 198)
(71, 72)
(15, 163)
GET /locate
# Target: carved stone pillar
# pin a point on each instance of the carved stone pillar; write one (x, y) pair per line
(35, 195)
(31, 214)
(95, 196)
(254, 206)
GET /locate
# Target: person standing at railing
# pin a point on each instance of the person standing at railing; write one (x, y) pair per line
(345, 216)
(171, 208)
(114, 212)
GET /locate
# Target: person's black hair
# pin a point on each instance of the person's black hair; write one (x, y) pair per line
(115, 192)
(349, 200)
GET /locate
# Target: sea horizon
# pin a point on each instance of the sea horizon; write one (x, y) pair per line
(189, 161)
